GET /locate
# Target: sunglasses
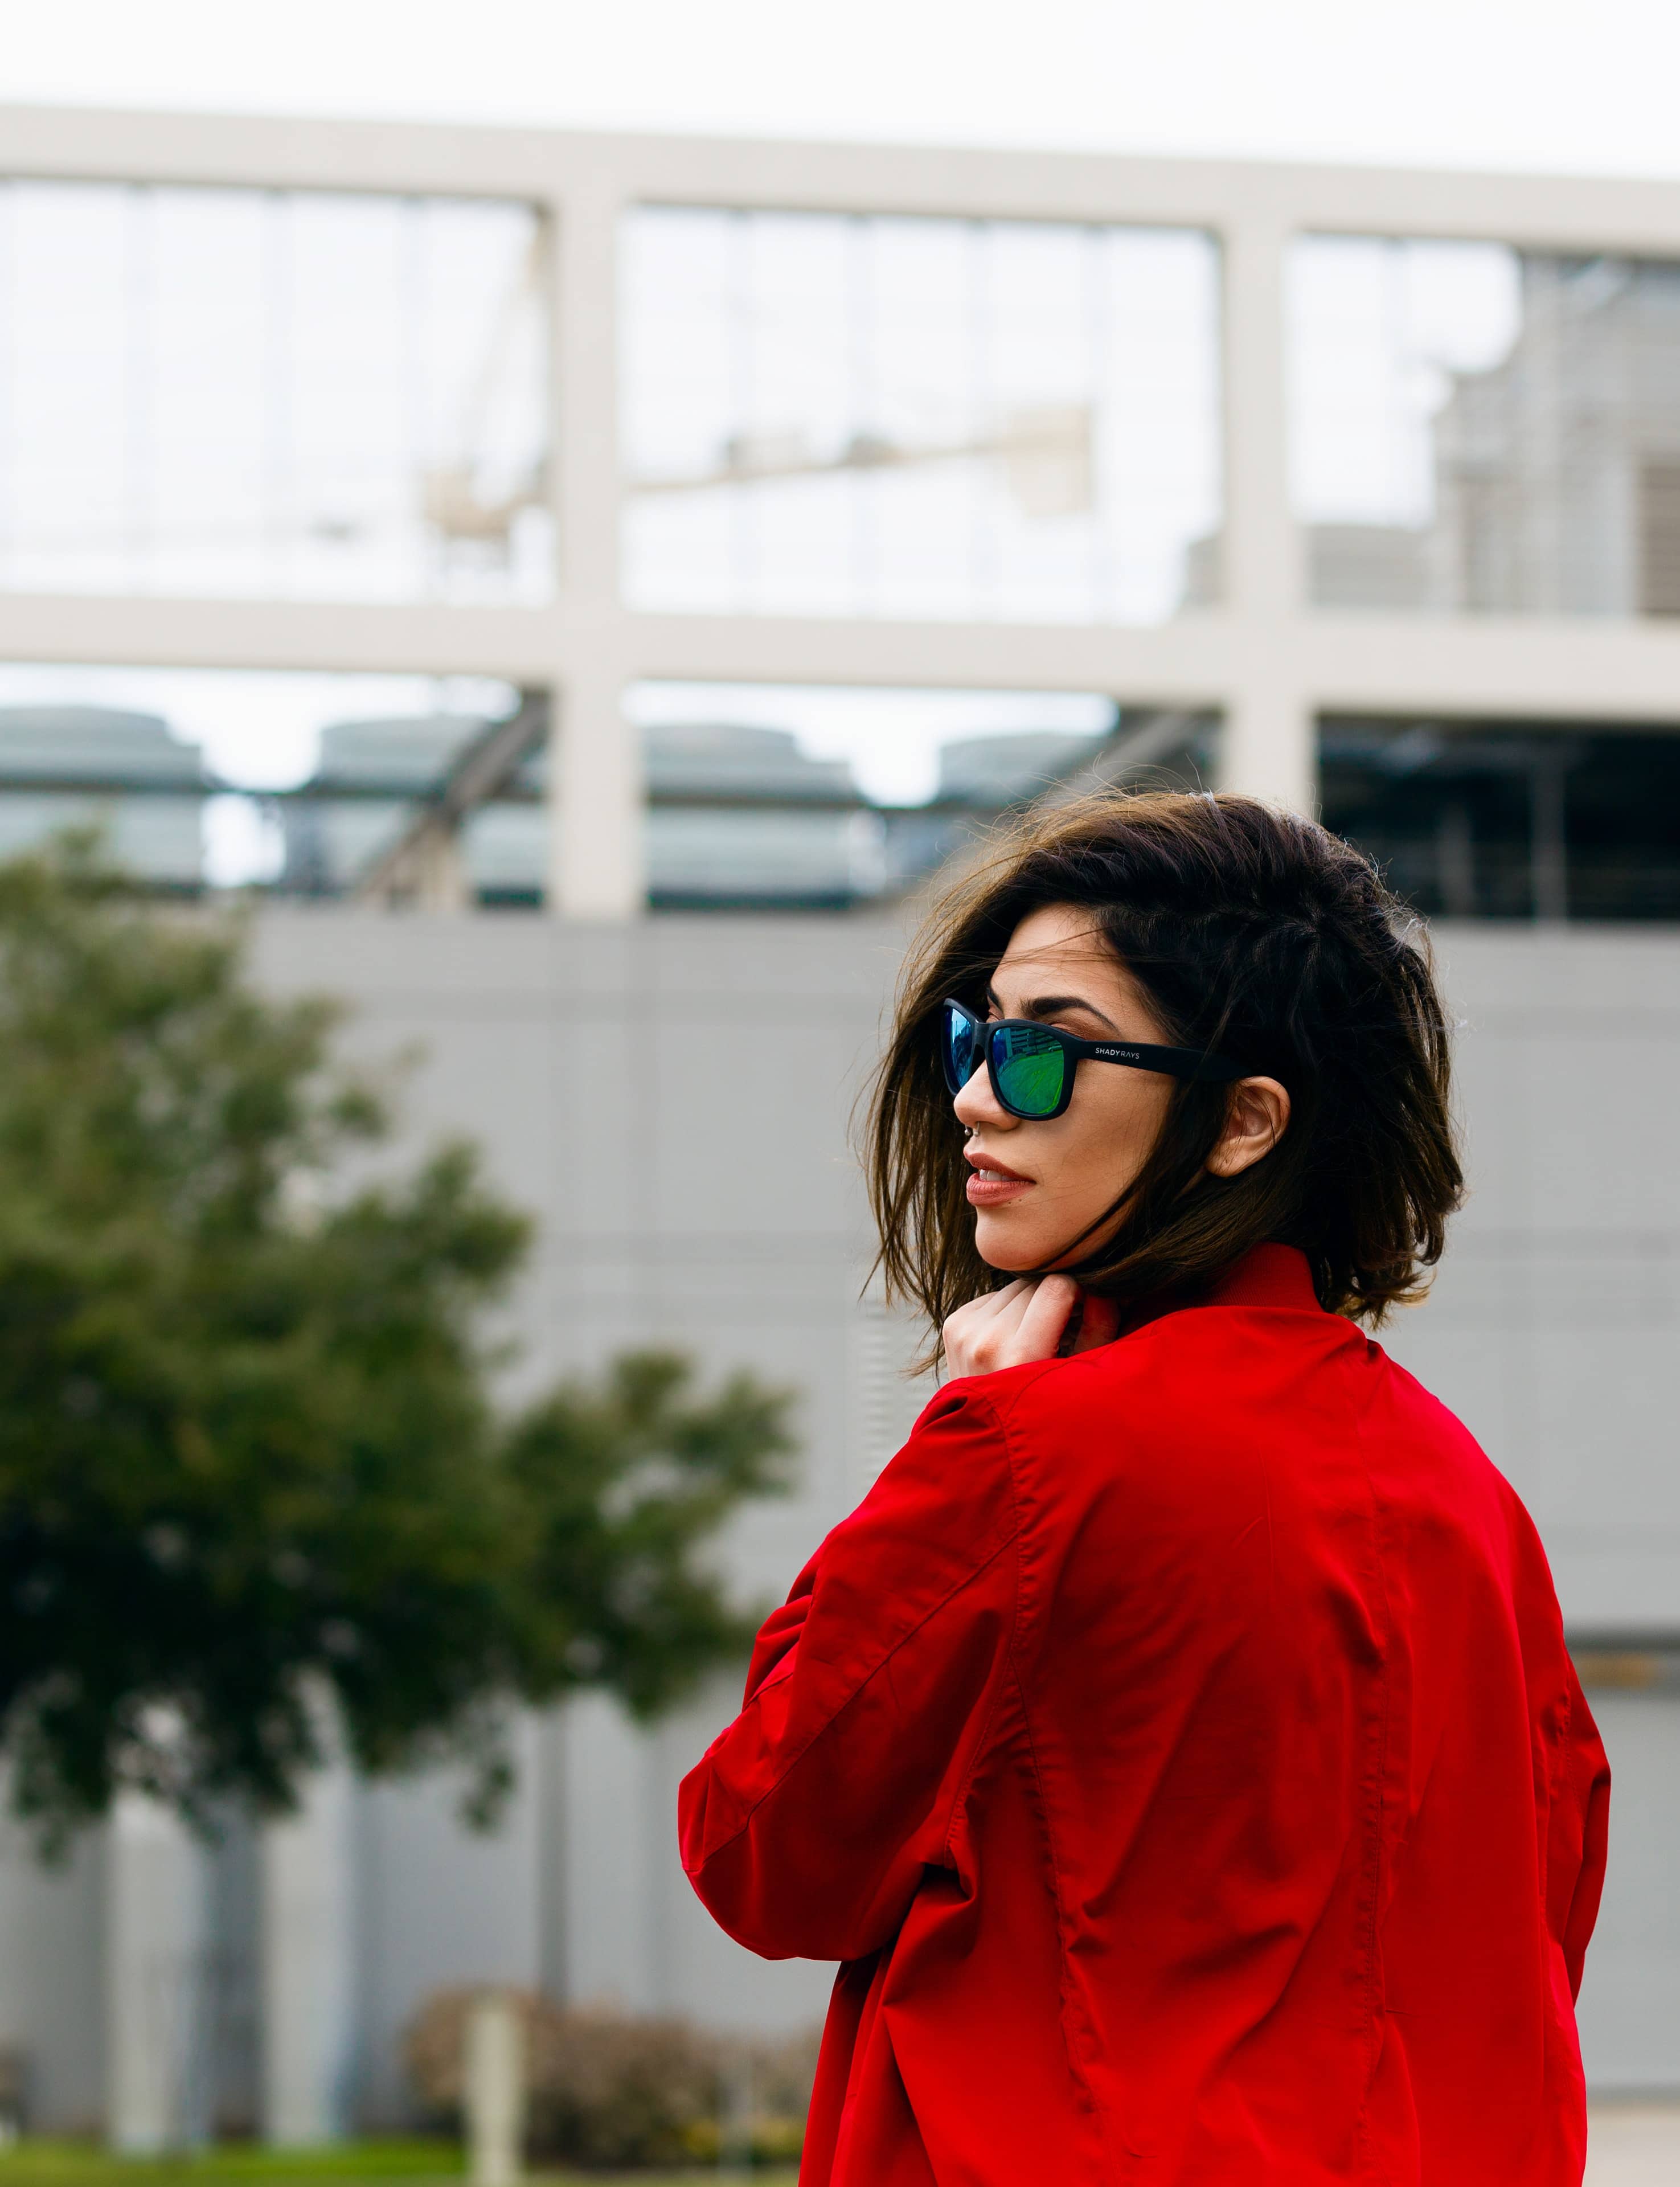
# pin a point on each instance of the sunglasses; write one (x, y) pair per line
(1031, 1067)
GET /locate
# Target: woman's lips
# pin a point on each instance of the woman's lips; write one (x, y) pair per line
(991, 1185)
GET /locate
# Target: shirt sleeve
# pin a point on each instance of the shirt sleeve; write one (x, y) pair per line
(806, 1825)
(1579, 1835)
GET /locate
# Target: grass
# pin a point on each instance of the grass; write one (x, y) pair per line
(31, 2163)
(86, 2164)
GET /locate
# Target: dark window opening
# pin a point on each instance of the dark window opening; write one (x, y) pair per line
(1507, 820)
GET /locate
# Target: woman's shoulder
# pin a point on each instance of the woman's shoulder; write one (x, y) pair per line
(1185, 1412)
(1055, 1425)
(1194, 1362)
(1177, 1412)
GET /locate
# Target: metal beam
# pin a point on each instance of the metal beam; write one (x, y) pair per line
(270, 152)
(145, 631)
(422, 866)
(1571, 668)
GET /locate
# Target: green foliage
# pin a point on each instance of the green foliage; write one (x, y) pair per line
(623, 1477)
(247, 1456)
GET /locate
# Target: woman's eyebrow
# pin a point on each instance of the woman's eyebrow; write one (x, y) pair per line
(1050, 1006)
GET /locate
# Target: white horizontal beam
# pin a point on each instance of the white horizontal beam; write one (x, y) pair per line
(1579, 668)
(1583, 668)
(1189, 662)
(135, 631)
(1569, 212)
(261, 152)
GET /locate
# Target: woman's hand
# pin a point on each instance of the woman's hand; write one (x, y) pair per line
(1026, 1320)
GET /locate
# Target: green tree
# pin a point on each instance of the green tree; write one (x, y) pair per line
(248, 1456)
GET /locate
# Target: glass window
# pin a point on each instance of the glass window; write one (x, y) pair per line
(290, 393)
(1484, 429)
(1511, 820)
(228, 777)
(767, 793)
(758, 796)
(940, 419)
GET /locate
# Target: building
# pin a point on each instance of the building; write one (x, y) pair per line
(524, 528)
(1558, 468)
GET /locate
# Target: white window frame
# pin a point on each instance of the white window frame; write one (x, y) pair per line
(1264, 658)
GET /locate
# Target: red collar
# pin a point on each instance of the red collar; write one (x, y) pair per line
(1268, 1275)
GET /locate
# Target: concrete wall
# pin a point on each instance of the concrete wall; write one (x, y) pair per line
(1554, 1332)
(672, 1100)
(52, 1981)
(1552, 1327)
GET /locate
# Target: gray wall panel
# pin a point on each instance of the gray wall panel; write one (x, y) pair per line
(1554, 1328)
(1630, 2000)
(52, 1978)
(673, 1106)
(438, 1904)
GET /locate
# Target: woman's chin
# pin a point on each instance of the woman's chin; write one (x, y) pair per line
(1003, 1246)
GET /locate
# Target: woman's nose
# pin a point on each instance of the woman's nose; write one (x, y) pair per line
(977, 1105)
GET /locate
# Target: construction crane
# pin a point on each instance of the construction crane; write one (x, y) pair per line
(1046, 450)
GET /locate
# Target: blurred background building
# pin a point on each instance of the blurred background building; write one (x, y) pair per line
(585, 586)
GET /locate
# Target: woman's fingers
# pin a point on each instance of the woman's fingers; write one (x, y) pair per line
(967, 1334)
(1023, 1322)
(1004, 1305)
(1043, 1319)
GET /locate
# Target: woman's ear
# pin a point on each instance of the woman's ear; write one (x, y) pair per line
(1256, 1117)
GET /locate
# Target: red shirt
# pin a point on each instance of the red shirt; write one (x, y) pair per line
(1179, 1748)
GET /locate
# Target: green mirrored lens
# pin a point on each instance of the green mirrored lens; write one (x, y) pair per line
(1031, 1069)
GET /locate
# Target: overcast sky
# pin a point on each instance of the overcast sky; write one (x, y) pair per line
(1553, 85)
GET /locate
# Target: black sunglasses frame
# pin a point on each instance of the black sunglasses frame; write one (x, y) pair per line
(1170, 1062)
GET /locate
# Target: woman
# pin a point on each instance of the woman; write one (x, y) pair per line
(1178, 1746)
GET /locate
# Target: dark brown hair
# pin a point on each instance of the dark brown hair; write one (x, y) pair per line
(1255, 934)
